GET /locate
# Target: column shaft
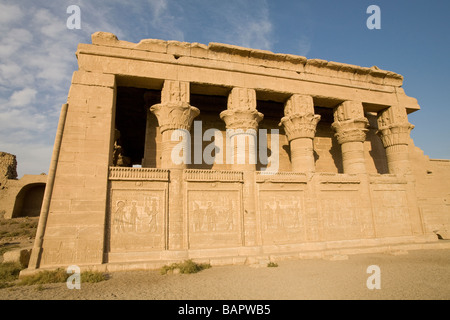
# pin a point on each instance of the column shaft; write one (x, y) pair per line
(241, 119)
(302, 155)
(351, 127)
(300, 124)
(394, 131)
(175, 116)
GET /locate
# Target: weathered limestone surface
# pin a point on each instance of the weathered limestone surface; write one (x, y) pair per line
(8, 166)
(348, 173)
(21, 256)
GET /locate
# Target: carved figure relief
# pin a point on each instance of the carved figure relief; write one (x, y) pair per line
(137, 219)
(210, 216)
(213, 218)
(282, 213)
(129, 217)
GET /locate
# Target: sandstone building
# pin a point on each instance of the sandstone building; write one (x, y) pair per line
(348, 176)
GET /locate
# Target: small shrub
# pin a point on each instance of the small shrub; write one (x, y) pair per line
(92, 277)
(9, 272)
(272, 264)
(43, 277)
(186, 267)
(60, 275)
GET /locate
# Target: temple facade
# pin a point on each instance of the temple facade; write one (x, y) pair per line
(167, 151)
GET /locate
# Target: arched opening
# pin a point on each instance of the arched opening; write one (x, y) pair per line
(29, 201)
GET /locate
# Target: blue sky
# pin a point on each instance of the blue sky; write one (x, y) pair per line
(37, 52)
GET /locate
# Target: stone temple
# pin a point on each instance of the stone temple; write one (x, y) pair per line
(336, 173)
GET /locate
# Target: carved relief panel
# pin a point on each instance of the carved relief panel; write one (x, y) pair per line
(282, 216)
(341, 214)
(214, 218)
(137, 220)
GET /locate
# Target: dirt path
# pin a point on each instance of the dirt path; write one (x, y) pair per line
(416, 275)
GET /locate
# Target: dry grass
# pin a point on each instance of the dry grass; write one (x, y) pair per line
(9, 272)
(60, 275)
(185, 267)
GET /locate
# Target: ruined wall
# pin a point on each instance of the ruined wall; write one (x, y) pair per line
(19, 197)
(8, 168)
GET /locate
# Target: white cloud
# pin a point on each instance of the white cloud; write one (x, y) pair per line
(9, 14)
(13, 40)
(23, 97)
(242, 23)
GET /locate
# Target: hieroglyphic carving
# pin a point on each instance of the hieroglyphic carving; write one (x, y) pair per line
(391, 213)
(282, 216)
(241, 112)
(75, 251)
(136, 220)
(341, 215)
(299, 120)
(147, 174)
(174, 112)
(214, 218)
(349, 122)
(393, 127)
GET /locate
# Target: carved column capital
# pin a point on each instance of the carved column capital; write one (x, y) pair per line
(353, 130)
(174, 112)
(395, 134)
(349, 122)
(299, 120)
(241, 112)
(393, 126)
(300, 126)
(174, 116)
(241, 119)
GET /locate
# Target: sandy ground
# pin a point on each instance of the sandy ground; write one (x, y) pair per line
(416, 275)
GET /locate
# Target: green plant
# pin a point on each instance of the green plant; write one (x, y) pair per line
(185, 267)
(272, 264)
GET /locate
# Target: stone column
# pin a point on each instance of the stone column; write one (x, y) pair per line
(241, 119)
(300, 124)
(175, 116)
(351, 128)
(394, 131)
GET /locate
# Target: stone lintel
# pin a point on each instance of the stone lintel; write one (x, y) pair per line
(260, 57)
(94, 79)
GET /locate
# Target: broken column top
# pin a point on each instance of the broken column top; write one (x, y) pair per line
(8, 166)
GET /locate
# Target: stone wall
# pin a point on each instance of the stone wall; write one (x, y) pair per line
(8, 168)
